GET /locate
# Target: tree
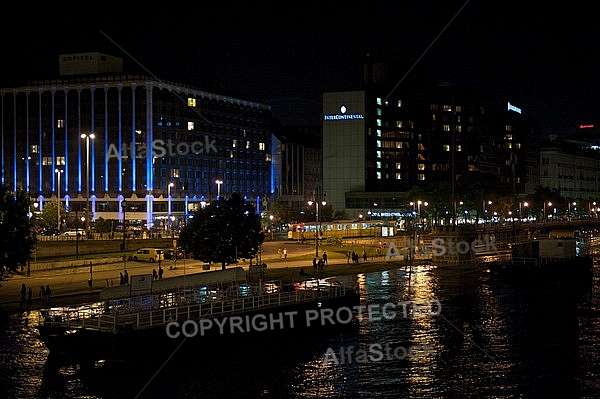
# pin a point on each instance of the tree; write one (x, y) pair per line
(16, 228)
(222, 232)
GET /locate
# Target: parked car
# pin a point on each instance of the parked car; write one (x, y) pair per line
(73, 233)
(174, 254)
(149, 254)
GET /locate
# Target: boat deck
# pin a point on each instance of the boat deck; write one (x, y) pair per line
(155, 311)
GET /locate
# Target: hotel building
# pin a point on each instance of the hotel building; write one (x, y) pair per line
(106, 143)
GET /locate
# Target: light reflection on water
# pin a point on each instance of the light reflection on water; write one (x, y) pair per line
(490, 340)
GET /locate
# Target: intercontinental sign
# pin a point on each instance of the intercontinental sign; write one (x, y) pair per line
(343, 115)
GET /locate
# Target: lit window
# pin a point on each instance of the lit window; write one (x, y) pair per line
(378, 132)
(60, 161)
(190, 125)
(398, 176)
(175, 173)
(399, 144)
(458, 108)
(378, 164)
(421, 166)
(446, 128)
(459, 147)
(446, 147)
(447, 108)
(378, 122)
(234, 144)
(378, 154)
(379, 101)
(378, 143)
(459, 128)
(421, 176)
(247, 145)
(399, 103)
(60, 123)
(398, 123)
(378, 111)
(261, 146)
(379, 175)
(398, 165)
(34, 149)
(191, 102)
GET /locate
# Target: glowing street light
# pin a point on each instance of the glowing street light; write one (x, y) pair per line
(87, 138)
(271, 219)
(169, 197)
(218, 182)
(549, 205)
(59, 172)
(318, 224)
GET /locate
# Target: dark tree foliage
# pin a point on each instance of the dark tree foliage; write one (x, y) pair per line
(17, 234)
(222, 232)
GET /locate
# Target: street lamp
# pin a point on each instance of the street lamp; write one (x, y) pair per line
(318, 224)
(574, 205)
(521, 205)
(484, 213)
(218, 183)
(169, 197)
(123, 225)
(271, 218)
(87, 138)
(59, 171)
(549, 205)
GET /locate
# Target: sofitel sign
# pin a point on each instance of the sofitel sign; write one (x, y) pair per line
(343, 115)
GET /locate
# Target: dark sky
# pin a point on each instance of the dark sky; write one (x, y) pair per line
(284, 54)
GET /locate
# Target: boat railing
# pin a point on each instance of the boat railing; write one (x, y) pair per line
(134, 313)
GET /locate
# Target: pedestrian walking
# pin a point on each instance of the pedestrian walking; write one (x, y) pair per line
(125, 277)
(315, 264)
(160, 272)
(42, 295)
(364, 255)
(324, 257)
(348, 254)
(48, 292)
(29, 299)
(121, 280)
(154, 274)
(23, 294)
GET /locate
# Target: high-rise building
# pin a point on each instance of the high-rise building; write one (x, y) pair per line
(381, 142)
(133, 143)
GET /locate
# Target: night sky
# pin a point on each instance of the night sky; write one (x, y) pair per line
(545, 61)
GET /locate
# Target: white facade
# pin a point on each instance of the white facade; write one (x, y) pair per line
(343, 145)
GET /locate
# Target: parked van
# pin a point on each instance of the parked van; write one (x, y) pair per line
(149, 254)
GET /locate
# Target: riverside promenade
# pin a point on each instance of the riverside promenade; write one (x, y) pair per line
(70, 285)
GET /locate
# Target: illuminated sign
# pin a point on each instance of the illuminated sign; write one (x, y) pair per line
(343, 115)
(586, 126)
(513, 108)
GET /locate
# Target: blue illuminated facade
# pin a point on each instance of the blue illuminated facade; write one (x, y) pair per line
(157, 145)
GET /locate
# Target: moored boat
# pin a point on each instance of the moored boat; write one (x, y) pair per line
(554, 258)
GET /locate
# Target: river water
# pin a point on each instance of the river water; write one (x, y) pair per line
(462, 336)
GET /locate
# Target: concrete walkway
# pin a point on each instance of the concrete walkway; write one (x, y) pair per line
(70, 285)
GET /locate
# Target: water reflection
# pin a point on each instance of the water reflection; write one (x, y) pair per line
(488, 339)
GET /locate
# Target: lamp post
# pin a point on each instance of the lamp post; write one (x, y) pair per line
(549, 205)
(521, 205)
(169, 187)
(59, 172)
(218, 182)
(87, 138)
(574, 205)
(123, 208)
(271, 219)
(484, 214)
(318, 224)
